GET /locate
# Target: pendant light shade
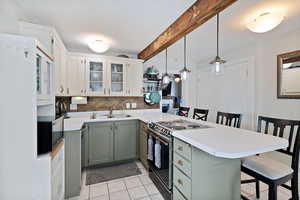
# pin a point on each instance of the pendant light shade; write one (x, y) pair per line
(217, 62)
(185, 71)
(166, 78)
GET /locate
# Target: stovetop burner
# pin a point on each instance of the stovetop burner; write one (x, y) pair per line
(181, 125)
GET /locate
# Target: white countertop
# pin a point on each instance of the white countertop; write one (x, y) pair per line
(220, 141)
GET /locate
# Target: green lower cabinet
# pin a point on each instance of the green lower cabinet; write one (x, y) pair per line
(143, 145)
(101, 141)
(72, 163)
(199, 175)
(125, 140)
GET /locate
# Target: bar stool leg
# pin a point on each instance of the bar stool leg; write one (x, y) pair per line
(294, 185)
(272, 192)
(257, 189)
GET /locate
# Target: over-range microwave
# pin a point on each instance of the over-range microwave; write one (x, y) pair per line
(50, 131)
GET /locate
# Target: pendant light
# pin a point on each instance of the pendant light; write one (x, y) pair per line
(217, 62)
(166, 77)
(184, 72)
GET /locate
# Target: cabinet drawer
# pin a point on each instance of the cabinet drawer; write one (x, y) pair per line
(182, 148)
(182, 182)
(177, 195)
(182, 164)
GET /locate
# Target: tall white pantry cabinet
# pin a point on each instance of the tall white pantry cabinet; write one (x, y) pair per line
(19, 83)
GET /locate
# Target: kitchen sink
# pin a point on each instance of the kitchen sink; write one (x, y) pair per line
(97, 116)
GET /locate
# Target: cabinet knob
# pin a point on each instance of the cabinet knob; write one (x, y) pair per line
(61, 89)
(180, 148)
(180, 162)
(179, 181)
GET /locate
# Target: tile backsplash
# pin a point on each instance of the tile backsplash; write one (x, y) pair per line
(105, 103)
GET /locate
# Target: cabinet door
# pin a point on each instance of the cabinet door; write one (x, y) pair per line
(117, 78)
(100, 143)
(125, 140)
(60, 69)
(76, 73)
(44, 79)
(72, 163)
(143, 148)
(57, 68)
(96, 77)
(134, 78)
(84, 147)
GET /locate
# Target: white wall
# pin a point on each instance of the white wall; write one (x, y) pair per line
(265, 54)
(265, 101)
(8, 17)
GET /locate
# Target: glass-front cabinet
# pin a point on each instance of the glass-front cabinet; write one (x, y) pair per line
(96, 70)
(43, 79)
(117, 78)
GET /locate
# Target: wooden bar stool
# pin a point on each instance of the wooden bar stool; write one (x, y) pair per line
(200, 114)
(229, 118)
(270, 171)
(184, 111)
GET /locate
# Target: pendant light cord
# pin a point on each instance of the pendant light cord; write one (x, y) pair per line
(184, 52)
(166, 60)
(218, 35)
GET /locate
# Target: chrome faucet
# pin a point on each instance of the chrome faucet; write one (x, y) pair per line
(111, 108)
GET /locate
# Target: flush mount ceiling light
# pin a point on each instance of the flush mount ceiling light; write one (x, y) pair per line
(217, 62)
(98, 46)
(265, 22)
(184, 72)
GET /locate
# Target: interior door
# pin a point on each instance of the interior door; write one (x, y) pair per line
(125, 140)
(96, 77)
(117, 78)
(232, 91)
(100, 143)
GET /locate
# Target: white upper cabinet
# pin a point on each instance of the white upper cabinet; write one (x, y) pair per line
(134, 78)
(116, 78)
(96, 71)
(76, 76)
(93, 75)
(44, 78)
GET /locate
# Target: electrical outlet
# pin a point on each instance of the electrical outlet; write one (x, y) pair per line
(73, 106)
(127, 105)
(133, 105)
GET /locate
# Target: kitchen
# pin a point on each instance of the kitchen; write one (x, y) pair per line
(131, 112)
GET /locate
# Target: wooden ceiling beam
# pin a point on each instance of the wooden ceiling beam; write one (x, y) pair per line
(200, 12)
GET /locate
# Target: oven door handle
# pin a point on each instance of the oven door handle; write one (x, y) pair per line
(158, 138)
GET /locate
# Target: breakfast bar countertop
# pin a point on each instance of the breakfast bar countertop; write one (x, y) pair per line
(218, 140)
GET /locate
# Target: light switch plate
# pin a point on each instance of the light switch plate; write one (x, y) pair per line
(128, 105)
(73, 106)
(133, 105)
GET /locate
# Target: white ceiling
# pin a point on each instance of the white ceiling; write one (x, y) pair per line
(129, 26)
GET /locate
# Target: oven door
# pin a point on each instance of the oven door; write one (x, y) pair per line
(162, 172)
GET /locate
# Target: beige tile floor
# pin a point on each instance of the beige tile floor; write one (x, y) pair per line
(130, 188)
(142, 188)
